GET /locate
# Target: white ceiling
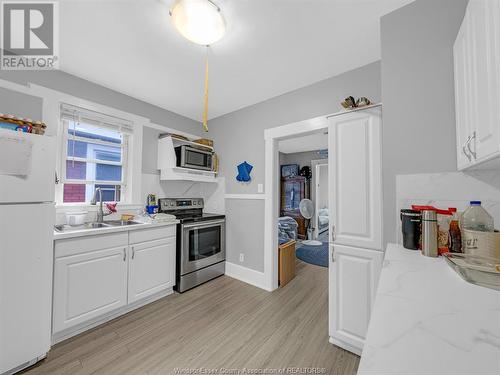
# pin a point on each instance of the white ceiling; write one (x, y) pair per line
(317, 141)
(271, 47)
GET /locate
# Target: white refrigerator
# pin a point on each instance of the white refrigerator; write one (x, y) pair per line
(27, 214)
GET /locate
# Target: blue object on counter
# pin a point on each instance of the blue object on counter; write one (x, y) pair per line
(152, 209)
(244, 170)
(15, 127)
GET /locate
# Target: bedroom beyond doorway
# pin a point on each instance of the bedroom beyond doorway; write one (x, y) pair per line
(303, 196)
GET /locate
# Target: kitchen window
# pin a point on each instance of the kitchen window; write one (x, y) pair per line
(95, 154)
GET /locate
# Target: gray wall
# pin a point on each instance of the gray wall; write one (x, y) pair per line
(150, 150)
(301, 158)
(244, 232)
(418, 94)
(239, 136)
(67, 83)
(18, 104)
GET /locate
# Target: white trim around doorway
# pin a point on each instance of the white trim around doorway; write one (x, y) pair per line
(271, 209)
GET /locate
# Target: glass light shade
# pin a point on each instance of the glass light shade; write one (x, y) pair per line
(199, 21)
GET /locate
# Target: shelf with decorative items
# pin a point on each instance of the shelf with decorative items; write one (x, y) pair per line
(177, 159)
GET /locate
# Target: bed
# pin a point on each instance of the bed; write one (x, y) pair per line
(323, 220)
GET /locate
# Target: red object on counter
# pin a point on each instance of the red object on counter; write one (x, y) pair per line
(111, 207)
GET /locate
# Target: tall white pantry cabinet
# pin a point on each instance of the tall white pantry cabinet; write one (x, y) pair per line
(355, 203)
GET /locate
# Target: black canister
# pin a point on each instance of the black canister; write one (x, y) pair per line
(411, 222)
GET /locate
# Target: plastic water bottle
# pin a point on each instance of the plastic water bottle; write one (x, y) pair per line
(477, 218)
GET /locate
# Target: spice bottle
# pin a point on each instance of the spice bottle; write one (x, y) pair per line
(455, 242)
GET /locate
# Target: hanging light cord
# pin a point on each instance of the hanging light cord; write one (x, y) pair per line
(205, 97)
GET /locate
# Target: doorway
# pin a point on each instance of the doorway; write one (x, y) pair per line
(273, 137)
(319, 195)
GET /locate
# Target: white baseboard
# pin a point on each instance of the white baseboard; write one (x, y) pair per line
(247, 275)
(346, 346)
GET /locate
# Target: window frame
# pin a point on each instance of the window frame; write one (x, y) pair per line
(126, 162)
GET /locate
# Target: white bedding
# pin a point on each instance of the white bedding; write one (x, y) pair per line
(323, 220)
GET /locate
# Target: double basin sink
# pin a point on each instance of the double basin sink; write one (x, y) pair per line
(88, 226)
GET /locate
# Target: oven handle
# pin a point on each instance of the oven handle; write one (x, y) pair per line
(203, 224)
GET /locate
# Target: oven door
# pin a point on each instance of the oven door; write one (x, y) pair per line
(203, 244)
(195, 158)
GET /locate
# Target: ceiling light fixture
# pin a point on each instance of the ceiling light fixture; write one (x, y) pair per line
(201, 22)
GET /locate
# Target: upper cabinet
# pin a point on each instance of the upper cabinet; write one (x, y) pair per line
(477, 86)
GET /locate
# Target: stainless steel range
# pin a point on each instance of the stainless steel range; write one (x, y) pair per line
(201, 242)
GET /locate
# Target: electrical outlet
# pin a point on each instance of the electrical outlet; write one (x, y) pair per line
(242, 257)
(260, 188)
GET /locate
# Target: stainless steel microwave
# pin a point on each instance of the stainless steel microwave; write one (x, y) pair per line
(194, 158)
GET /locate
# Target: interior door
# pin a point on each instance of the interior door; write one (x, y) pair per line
(151, 268)
(355, 181)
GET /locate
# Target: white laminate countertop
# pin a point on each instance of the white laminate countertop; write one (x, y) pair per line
(427, 320)
(110, 229)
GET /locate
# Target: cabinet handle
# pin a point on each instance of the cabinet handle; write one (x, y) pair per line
(124, 254)
(473, 153)
(333, 232)
(465, 150)
(133, 252)
(333, 249)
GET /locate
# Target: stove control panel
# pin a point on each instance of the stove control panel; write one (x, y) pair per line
(169, 204)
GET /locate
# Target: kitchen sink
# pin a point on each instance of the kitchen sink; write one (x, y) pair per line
(62, 228)
(120, 223)
(69, 228)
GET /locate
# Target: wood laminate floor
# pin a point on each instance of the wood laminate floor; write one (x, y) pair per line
(222, 324)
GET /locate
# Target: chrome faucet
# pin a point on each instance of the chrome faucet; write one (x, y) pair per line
(100, 212)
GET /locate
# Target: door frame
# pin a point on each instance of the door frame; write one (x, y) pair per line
(271, 166)
(316, 166)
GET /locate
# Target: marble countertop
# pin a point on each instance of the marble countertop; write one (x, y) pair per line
(427, 320)
(110, 229)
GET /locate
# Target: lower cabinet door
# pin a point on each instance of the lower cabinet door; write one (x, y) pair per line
(151, 268)
(353, 278)
(88, 285)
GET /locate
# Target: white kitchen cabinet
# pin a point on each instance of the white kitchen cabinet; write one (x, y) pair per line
(100, 277)
(477, 86)
(355, 203)
(151, 268)
(88, 285)
(356, 178)
(354, 273)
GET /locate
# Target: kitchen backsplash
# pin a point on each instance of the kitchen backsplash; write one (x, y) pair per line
(212, 193)
(454, 189)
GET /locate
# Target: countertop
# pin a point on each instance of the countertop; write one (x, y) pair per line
(427, 320)
(111, 229)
